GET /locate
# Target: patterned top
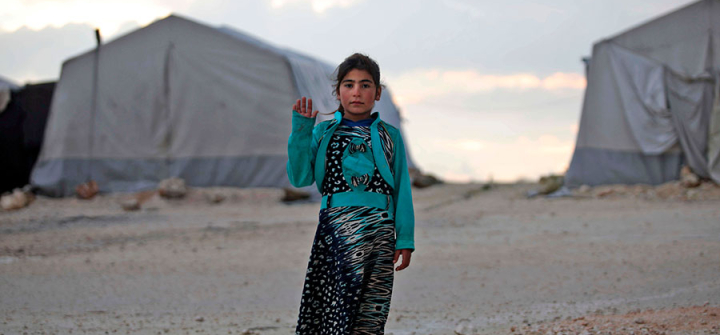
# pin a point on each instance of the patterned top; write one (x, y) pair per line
(350, 165)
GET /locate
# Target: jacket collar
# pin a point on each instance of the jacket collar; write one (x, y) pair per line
(375, 115)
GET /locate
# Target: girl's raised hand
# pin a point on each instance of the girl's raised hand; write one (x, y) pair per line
(304, 107)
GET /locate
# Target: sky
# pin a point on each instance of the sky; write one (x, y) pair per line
(487, 89)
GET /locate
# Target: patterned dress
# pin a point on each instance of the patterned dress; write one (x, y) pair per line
(350, 273)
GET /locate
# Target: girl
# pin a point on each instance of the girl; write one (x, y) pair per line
(366, 216)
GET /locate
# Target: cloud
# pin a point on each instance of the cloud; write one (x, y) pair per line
(469, 159)
(108, 15)
(560, 80)
(418, 85)
(498, 10)
(574, 128)
(318, 6)
(37, 55)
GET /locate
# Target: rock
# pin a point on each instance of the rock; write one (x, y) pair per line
(640, 321)
(215, 198)
(688, 179)
(294, 195)
(131, 204)
(172, 188)
(425, 180)
(584, 189)
(550, 184)
(87, 190)
(199, 319)
(464, 327)
(16, 200)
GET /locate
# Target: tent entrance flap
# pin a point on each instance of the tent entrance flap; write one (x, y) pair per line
(691, 102)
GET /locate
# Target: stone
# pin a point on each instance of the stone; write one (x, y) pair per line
(172, 188)
(131, 204)
(464, 327)
(425, 180)
(550, 184)
(215, 198)
(294, 195)
(15, 200)
(87, 190)
(688, 179)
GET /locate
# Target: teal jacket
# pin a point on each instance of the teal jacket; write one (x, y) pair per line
(306, 164)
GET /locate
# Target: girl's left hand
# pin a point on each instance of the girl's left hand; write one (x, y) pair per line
(304, 107)
(405, 258)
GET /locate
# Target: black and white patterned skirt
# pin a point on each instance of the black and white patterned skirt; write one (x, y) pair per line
(350, 273)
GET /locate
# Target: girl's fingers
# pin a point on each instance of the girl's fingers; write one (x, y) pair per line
(405, 259)
(397, 255)
(304, 107)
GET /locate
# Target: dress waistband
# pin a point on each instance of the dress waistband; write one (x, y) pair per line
(356, 198)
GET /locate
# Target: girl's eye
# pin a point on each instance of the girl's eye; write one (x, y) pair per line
(348, 85)
(366, 85)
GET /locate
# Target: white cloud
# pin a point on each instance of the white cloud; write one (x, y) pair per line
(574, 128)
(416, 86)
(108, 15)
(498, 10)
(561, 80)
(318, 6)
(469, 145)
(470, 159)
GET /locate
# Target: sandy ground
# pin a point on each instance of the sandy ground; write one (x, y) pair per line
(488, 262)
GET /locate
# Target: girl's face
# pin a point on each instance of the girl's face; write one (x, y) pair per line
(358, 93)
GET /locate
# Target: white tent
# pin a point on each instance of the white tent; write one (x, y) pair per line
(179, 99)
(652, 102)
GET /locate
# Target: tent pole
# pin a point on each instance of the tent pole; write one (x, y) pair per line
(167, 141)
(93, 110)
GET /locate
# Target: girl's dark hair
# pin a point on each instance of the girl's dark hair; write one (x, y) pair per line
(356, 61)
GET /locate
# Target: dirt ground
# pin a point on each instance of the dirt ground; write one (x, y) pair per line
(487, 262)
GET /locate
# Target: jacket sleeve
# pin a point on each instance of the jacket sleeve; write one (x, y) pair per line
(302, 148)
(404, 214)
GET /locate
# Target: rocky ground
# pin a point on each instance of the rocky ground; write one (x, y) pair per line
(231, 261)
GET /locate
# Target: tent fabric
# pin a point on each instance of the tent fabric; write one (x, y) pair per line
(691, 103)
(648, 106)
(622, 167)
(174, 99)
(641, 90)
(714, 134)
